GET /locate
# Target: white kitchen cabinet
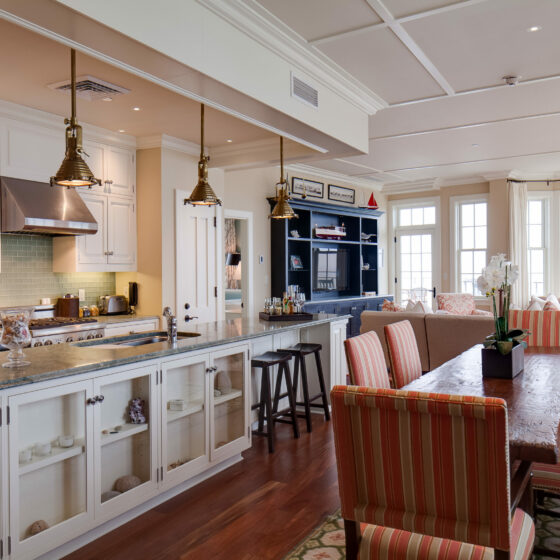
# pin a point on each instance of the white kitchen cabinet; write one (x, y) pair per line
(121, 231)
(132, 327)
(124, 448)
(213, 422)
(30, 151)
(51, 486)
(111, 249)
(114, 166)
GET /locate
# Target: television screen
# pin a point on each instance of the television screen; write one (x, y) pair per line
(330, 269)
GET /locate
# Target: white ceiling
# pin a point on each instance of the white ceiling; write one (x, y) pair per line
(30, 62)
(439, 66)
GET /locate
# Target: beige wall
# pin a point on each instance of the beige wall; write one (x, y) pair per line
(160, 172)
(498, 218)
(248, 190)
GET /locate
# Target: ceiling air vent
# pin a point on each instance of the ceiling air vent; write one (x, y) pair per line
(304, 92)
(90, 88)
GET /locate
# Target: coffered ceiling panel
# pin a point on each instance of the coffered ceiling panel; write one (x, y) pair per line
(463, 110)
(313, 19)
(381, 62)
(476, 46)
(401, 8)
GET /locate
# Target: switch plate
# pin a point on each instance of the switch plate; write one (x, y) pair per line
(82, 294)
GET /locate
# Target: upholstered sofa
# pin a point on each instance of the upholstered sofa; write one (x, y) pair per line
(442, 337)
(439, 337)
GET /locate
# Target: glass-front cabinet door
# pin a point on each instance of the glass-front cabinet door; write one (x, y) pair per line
(51, 464)
(184, 418)
(125, 431)
(229, 422)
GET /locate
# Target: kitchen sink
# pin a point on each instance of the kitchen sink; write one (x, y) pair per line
(139, 339)
(152, 339)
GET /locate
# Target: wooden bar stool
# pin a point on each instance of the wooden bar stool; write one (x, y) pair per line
(299, 351)
(266, 361)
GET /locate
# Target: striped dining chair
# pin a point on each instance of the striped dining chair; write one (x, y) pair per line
(366, 361)
(403, 353)
(545, 481)
(425, 476)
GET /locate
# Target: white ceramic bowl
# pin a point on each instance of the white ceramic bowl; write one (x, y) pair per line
(66, 441)
(42, 449)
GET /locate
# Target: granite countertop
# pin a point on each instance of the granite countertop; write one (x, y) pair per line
(63, 360)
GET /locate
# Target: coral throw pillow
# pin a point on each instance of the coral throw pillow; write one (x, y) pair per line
(391, 306)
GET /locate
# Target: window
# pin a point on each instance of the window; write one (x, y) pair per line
(417, 216)
(537, 246)
(471, 242)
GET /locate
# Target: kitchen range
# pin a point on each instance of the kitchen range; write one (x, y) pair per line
(56, 330)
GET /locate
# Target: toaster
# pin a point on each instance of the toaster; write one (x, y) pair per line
(113, 305)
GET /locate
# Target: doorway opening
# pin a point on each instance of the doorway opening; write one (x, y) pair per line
(238, 259)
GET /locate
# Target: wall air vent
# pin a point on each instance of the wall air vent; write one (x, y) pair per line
(304, 92)
(91, 88)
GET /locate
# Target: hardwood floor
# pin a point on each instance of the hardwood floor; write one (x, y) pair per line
(259, 509)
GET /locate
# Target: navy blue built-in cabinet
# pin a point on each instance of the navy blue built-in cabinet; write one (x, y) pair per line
(337, 275)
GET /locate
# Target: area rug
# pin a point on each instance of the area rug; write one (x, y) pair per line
(327, 541)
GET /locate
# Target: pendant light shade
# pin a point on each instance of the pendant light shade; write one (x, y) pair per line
(74, 171)
(282, 210)
(203, 194)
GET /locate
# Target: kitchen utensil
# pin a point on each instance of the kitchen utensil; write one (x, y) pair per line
(68, 306)
(113, 305)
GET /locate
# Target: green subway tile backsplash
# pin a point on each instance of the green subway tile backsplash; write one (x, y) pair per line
(26, 274)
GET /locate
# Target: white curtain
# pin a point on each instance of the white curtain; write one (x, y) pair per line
(518, 241)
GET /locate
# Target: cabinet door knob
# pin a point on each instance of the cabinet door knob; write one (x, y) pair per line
(209, 370)
(100, 398)
(91, 400)
(187, 305)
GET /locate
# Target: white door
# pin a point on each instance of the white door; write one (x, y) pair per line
(417, 260)
(121, 231)
(120, 171)
(196, 262)
(92, 249)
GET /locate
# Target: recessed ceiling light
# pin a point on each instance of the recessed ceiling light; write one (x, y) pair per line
(475, 145)
(534, 28)
(229, 140)
(136, 108)
(107, 99)
(122, 130)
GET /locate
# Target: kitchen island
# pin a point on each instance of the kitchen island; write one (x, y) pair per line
(94, 433)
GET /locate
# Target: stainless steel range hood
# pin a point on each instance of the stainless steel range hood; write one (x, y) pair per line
(33, 207)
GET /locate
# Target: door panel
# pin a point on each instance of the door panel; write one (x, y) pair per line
(120, 171)
(95, 159)
(196, 281)
(417, 265)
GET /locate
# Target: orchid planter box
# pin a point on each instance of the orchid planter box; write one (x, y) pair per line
(499, 366)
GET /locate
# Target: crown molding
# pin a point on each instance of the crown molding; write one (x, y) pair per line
(169, 142)
(410, 187)
(532, 176)
(306, 170)
(249, 17)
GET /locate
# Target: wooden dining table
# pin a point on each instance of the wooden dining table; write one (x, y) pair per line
(533, 403)
(533, 397)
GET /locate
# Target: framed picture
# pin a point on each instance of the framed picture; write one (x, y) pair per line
(295, 262)
(305, 187)
(342, 194)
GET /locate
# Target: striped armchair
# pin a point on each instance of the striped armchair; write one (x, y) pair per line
(366, 361)
(403, 353)
(425, 476)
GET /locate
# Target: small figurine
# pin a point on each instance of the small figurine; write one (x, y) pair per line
(136, 411)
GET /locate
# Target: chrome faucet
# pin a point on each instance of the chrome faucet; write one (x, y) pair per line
(171, 325)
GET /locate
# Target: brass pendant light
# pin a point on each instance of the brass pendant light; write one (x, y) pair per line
(203, 195)
(74, 171)
(282, 210)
